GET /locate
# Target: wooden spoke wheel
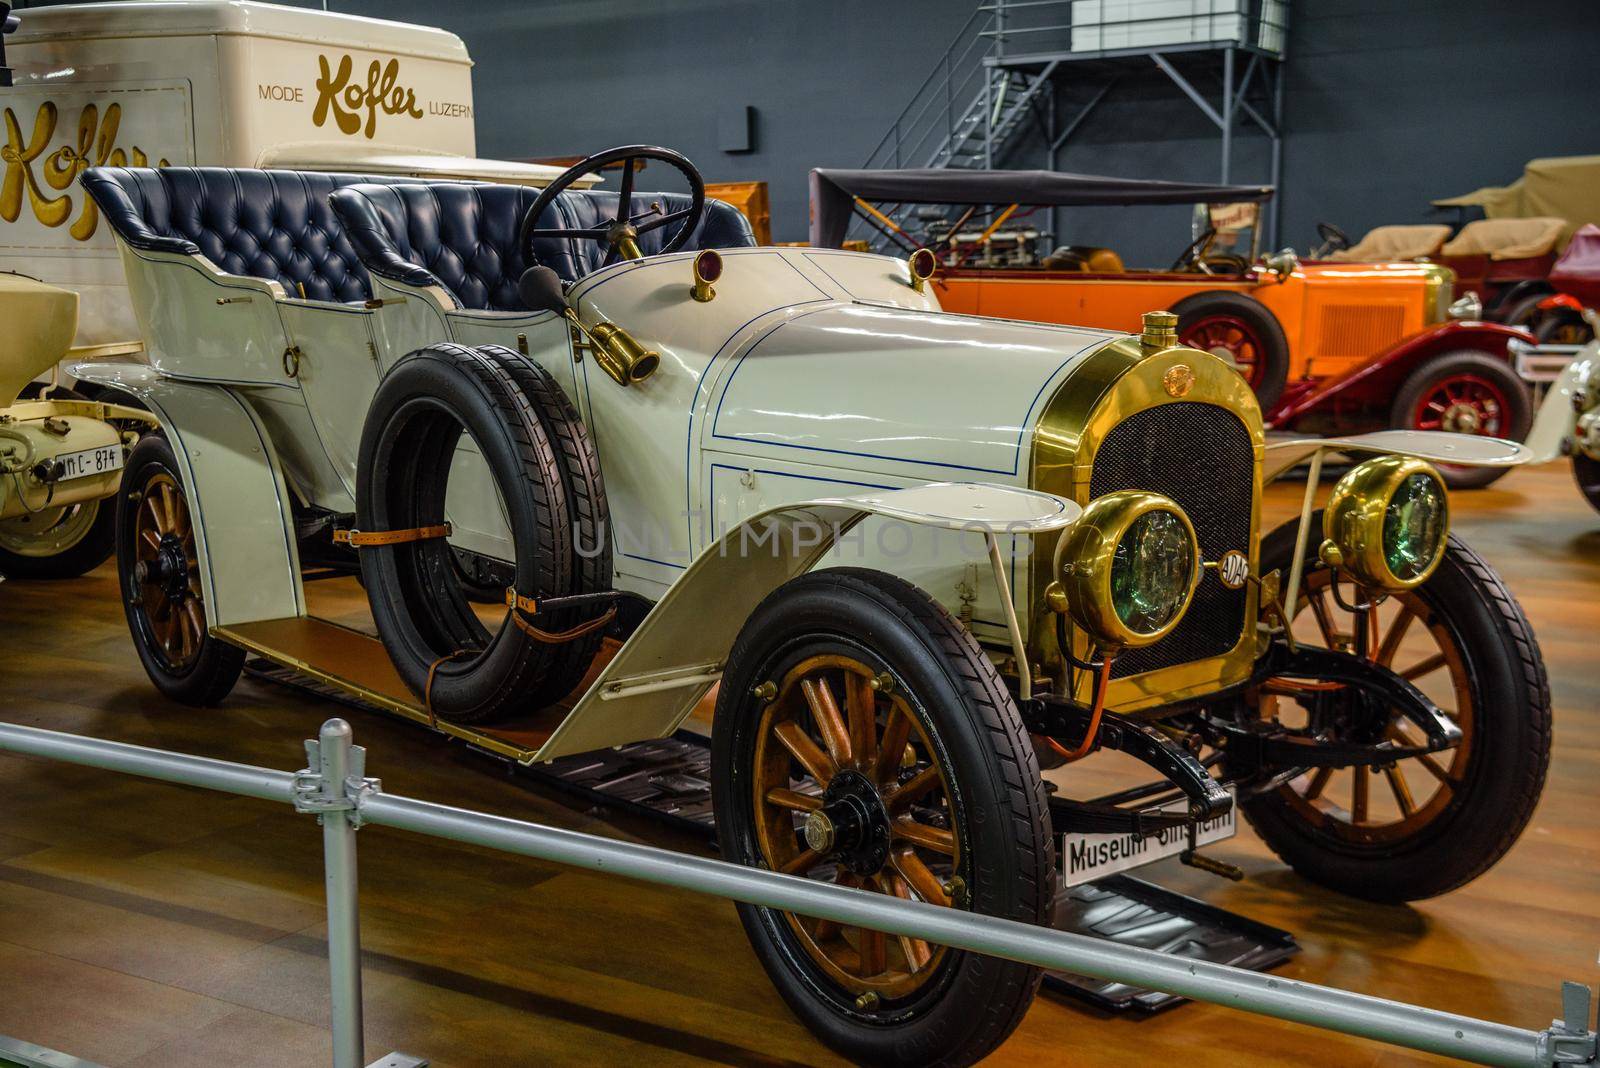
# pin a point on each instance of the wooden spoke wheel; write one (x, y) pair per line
(848, 789)
(1389, 802)
(863, 738)
(159, 568)
(167, 572)
(1419, 826)
(1233, 339)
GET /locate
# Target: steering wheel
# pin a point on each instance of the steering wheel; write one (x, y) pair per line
(1195, 255)
(1333, 238)
(621, 234)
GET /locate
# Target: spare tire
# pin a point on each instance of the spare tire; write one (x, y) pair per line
(439, 646)
(587, 509)
(1240, 329)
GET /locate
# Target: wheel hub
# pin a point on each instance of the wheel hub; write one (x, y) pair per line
(1462, 418)
(852, 826)
(168, 569)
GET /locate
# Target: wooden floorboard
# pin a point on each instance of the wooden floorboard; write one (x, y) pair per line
(144, 924)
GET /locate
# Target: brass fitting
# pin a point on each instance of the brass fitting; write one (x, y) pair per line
(1160, 331)
(620, 356)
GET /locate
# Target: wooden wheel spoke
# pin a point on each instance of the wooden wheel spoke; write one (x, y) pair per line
(1425, 667)
(1358, 794)
(801, 862)
(1318, 783)
(150, 539)
(1437, 770)
(830, 724)
(158, 517)
(1397, 631)
(917, 875)
(818, 765)
(1402, 792)
(793, 800)
(169, 507)
(872, 951)
(917, 952)
(1319, 609)
(861, 706)
(896, 734)
(901, 797)
(940, 841)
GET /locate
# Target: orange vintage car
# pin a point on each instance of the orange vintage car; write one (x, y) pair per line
(1328, 347)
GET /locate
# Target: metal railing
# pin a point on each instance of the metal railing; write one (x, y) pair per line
(335, 788)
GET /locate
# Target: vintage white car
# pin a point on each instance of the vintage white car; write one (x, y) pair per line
(924, 557)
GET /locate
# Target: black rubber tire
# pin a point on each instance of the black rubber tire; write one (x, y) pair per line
(1519, 416)
(1562, 326)
(215, 670)
(1505, 771)
(1524, 311)
(435, 640)
(1192, 310)
(1587, 474)
(974, 1002)
(79, 558)
(587, 508)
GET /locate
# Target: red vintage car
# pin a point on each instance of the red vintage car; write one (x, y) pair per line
(1576, 281)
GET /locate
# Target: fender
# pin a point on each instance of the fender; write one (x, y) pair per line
(678, 653)
(243, 519)
(1381, 376)
(1557, 418)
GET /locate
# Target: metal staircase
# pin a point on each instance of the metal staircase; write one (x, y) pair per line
(1024, 74)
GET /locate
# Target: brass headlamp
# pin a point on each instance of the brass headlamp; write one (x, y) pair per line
(1127, 569)
(1387, 522)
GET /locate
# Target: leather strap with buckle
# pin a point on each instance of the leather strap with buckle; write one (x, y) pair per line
(366, 539)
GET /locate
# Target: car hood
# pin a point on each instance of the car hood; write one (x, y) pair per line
(880, 388)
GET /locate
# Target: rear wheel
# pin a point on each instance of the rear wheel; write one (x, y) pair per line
(1425, 825)
(1465, 393)
(1241, 330)
(1562, 326)
(159, 572)
(885, 755)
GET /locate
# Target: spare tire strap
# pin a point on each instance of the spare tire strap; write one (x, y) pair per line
(362, 539)
(427, 690)
(564, 636)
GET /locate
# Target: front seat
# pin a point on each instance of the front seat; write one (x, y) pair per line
(463, 238)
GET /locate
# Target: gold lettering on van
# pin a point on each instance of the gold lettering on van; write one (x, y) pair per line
(345, 100)
(25, 162)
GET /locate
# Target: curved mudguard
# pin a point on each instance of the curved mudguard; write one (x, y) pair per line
(1435, 446)
(238, 500)
(1557, 419)
(1379, 379)
(678, 652)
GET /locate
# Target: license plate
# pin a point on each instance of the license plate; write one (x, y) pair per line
(1086, 857)
(90, 462)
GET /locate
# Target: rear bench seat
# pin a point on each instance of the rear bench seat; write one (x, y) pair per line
(276, 225)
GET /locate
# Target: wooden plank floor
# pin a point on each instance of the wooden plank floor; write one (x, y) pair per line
(151, 925)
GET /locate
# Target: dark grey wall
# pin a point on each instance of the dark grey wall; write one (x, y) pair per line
(1390, 103)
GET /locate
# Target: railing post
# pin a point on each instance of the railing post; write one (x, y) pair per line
(331, 787)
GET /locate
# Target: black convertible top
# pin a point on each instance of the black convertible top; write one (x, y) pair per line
(833, 192)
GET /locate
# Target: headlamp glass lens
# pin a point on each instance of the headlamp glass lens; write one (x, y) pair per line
(1413, 526)
(1151, 572)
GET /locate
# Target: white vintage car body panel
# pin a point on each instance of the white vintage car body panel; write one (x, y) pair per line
(1557, 418)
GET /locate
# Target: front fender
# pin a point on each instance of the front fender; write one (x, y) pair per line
(679, 651)
(1379, 378)
(1557, 418)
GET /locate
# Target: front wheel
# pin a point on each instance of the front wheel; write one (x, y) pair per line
(1587, 472)
(863, 738)
(1425, 825)
(159, 572)
(1465, 392)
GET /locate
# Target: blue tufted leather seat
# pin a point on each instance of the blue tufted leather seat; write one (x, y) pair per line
(464, 237)
(267, 224)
